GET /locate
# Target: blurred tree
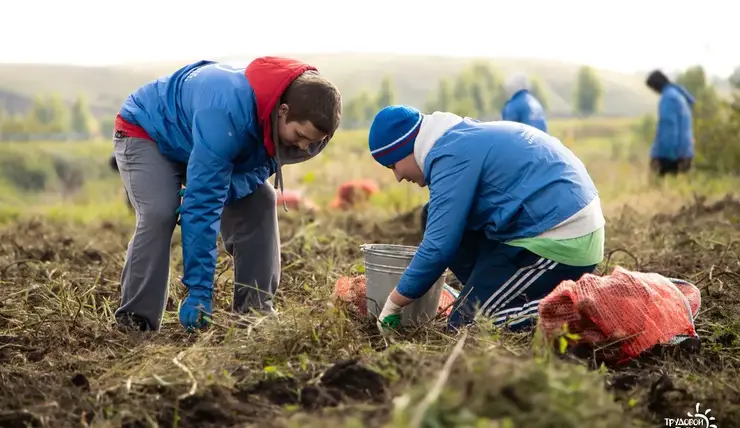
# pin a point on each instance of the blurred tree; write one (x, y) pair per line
(465, 107)
(588, 92)
(695, 81)
(50, 116)
(716, 137)
(3, 118)
(442, 99)
(386, 94)
(362, 107)
(107, 126)
(13, 127)
(59, 115)
(82, 120)
(476, 92)
(716, 122)
(360, 110)
(735, 78)
(40, 112)
(539, 90)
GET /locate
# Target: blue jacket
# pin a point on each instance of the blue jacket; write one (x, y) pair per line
(523, 107)
(216, 119)
(674, 138)
(506, 179)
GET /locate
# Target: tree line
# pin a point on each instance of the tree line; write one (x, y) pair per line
(477, 91)
(50, 118)
(716, 121)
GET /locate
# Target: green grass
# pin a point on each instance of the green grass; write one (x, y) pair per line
(616, 161)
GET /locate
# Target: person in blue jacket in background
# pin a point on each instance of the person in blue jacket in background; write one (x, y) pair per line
(523, 106)
(221, 131)
(673, 148)
(512, 212)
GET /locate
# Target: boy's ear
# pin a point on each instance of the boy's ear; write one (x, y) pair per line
(283, 110)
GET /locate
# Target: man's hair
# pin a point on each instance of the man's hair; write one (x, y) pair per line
(656, 80)
(313, 98)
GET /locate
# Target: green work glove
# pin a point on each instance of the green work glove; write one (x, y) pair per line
(390, 317)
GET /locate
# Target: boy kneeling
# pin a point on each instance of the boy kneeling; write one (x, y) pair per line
(512, 212)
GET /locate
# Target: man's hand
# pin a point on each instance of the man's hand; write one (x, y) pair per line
(390, 316)
(195, 311)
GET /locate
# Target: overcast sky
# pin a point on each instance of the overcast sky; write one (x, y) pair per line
(625, 36)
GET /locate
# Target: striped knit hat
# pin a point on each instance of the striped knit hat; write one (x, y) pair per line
(393, 132)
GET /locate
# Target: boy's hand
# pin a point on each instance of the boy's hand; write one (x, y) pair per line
(390, 316)
(195, 311)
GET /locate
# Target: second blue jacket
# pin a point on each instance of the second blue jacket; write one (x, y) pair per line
(505, 179)
(523, 107)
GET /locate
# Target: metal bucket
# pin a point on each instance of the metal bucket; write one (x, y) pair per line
(384, 265)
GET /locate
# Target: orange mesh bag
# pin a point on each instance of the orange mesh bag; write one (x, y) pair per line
(352, 291)
(637, 310)
(295, 200)
(447, 299)
(354, 192)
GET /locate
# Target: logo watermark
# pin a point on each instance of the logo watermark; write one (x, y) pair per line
(696, 419)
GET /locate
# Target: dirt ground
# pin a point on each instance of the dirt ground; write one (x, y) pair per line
(64, 364)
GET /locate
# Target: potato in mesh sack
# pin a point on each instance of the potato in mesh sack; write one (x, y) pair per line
(352, 290)
(295, 201)
(353, 193)
(637, 310)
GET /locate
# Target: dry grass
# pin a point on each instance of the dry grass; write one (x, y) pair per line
(62, 362)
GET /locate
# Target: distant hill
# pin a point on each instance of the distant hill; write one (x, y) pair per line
(414, 78)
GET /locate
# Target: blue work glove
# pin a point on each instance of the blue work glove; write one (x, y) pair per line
(180, 193)
(195, 311)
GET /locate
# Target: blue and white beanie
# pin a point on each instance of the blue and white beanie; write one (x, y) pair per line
(393, 133)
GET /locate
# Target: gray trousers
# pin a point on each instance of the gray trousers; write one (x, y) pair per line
(249, 229)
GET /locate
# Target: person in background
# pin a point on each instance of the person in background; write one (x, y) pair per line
(512, 212)
(522, 106)
(673, 147)
(222, 131)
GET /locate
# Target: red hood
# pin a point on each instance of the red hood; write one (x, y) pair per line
(269, 77)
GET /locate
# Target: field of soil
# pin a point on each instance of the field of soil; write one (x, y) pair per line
(63, 363)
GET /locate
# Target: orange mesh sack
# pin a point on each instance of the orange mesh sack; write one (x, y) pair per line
(637, 310)
(447, 299)
(295, 200)
(352, 291)
(354, 192)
